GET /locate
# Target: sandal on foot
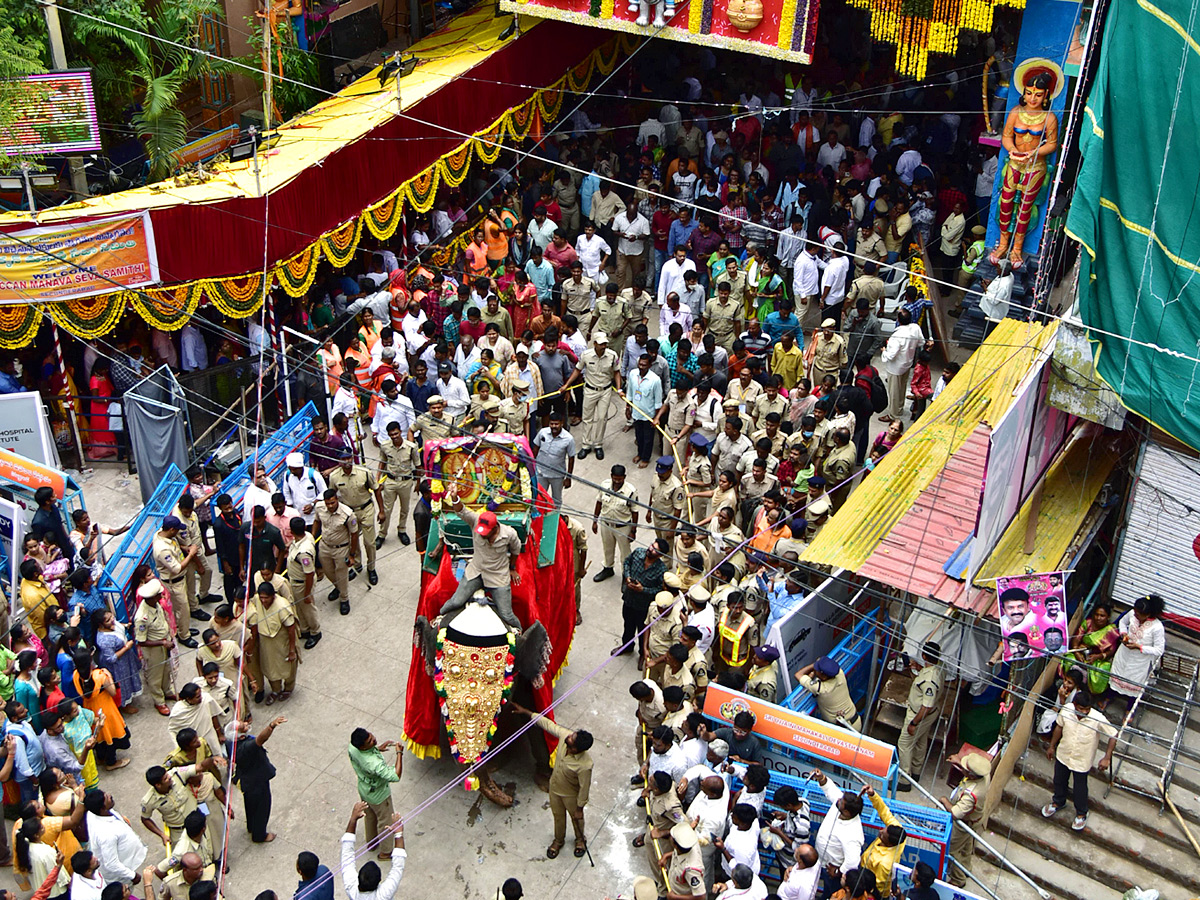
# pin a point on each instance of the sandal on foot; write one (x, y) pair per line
(580, 848)
(271, 698)
(639, 841)
(552, 850)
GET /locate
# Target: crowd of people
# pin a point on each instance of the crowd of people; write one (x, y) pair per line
(736, 291)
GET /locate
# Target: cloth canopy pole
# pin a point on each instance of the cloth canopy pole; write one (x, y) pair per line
(72, 413)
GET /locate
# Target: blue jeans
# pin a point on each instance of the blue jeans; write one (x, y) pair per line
(657, 260)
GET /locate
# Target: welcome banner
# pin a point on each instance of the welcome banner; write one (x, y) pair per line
(77, 260)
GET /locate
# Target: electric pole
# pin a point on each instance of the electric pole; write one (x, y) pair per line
(58, 57)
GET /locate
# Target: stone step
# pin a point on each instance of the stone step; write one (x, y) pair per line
(1118, 804)
(1061, 879)
(1106, 853)
(1122, 823)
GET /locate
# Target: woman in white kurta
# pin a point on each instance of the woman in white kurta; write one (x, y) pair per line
(1143, 640)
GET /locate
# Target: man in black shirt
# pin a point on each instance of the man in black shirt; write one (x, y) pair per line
(227, 532)
(267, 550)
(48, 520)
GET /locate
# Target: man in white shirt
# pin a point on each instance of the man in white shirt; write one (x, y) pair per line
(709, 811)
(258, 493)
(631, 229)
(897, 362)
(833, 283)
(671, 278)
(389, 338)
(454, 392)
(366, 883)
(840, 838)
(743, 884)
(344, 401)
(194, 350)
(303, 486)
(831, 153)
(907, 164)
(806, 281)
(414, 318)
(466, 356)
(700, 616)
(112, 840)
(391, 407)
(593, 251)
(740, 846)
(800, 880)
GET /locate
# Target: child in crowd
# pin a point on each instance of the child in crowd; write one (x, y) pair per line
(921, 388)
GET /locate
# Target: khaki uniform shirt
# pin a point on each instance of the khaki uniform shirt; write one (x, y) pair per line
(737, 290)
(514, 415)
(680, 413)
(356, 489)
(776, 442)
(178, 889)
(926, 690)
(150, 624)
(1081, 737)
(764, 406)
(572, 776)
(579, 542)
(664, 810)
(652, 710)
(840, 465)
(173, 806)
(833, 696)
(966, 802)
(681, 679)
(168, 558)
(699, 472)
(667, 498)
(616, 504)
(869, 286)
(282, 588)
(336, 526)
(610, 315)
(301, 562)
(664, 631)
(202, 848)
(685, 875)
(722, 318)
(431, 428)
(599, 369)
(763, 682)
(579, 296)
(697, 665)
(191, 537)
(637, 308)
(399, 463)
(489, 559)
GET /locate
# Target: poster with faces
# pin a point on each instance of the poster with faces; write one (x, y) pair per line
(1033, 614)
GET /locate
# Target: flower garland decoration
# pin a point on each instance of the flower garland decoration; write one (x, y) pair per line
(89, 317)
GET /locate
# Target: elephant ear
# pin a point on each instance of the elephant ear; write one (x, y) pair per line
(532, 654)
(425, 640)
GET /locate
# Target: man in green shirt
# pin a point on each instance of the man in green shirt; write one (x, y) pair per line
(375, 778)
(8, 673)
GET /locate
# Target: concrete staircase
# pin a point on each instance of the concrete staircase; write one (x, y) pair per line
(1127, 842)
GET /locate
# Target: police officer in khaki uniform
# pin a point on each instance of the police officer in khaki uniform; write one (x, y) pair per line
(615, 520)
(301, 579)
(763, 680)
(699, 476)
(667, 500)
(172, 564)
(434, 424)
(600, 370)
(924, 706)
(399, 462)
(966, 805)
(152, 631)
(191, 539)
(514, 412)
(358, 488)
(337, 528)
(826, 681)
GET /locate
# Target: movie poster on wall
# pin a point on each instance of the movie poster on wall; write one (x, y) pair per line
(1033, 614)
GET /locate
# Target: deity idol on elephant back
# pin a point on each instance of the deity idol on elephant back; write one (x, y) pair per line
(1030, 136)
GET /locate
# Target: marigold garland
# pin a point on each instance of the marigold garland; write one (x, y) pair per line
(166, 309)
(296, 275)
(18, 326)
(237, 297)
(338, 246)
(384, 218)
(88, 317)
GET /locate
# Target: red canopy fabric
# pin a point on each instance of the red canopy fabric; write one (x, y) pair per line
(545, 595)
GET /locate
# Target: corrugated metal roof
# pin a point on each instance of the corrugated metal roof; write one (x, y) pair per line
(912, 555)
(1072, 484)
(980, 394)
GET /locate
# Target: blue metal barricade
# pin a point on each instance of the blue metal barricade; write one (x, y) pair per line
(928, 829)
(135, 546)
(853, 653)
(292, 437)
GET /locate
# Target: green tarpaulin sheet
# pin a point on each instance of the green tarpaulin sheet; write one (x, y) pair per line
(1136, 211)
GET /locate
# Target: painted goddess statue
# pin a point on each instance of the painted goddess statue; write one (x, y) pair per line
(1030, 136)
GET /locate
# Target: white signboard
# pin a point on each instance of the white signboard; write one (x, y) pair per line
(24, 429)
(13, 524)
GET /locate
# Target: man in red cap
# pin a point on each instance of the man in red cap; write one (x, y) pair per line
(493, 562)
